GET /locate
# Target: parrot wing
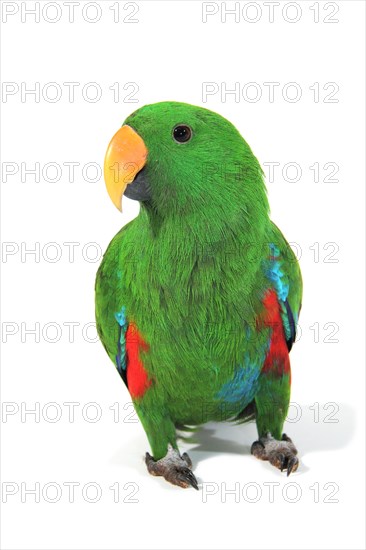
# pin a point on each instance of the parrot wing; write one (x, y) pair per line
(283, 270)
(110, 313)
(119, 335)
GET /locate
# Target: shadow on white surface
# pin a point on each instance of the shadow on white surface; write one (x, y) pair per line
(223, 438)
(308, 435)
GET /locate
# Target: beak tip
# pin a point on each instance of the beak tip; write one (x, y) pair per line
(118, 205)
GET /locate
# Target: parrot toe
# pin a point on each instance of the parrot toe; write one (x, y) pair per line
(174, 468)
(281, 454)
(187, 460)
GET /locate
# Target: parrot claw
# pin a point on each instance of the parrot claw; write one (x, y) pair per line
(292, 465)
(174, 468)
(186, 475)
(281, 454)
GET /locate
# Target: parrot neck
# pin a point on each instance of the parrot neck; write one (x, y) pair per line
(203, 231)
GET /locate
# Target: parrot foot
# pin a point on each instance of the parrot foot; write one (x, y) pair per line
(281, 454)
(173, 467)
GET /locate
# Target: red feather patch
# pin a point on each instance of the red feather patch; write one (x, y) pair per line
(277, 360)
(137, 379)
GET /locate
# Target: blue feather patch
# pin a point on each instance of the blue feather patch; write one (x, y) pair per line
(121, 355)
(275, 273)
(242, 388)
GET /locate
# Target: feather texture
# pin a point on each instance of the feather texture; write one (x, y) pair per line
(195, 274)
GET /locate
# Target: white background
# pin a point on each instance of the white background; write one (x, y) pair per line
(169, 53)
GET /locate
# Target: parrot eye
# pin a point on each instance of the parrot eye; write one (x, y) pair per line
(182, 133)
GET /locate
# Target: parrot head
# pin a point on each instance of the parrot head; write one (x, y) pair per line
(179, 159)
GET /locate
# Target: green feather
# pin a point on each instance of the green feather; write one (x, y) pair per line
(192, 268)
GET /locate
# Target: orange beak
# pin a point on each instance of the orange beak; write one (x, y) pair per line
(125, 157)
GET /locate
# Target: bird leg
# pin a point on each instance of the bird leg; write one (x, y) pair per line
(281, 454)
(173, 467)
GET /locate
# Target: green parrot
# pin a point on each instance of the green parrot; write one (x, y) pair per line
(197, 298)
